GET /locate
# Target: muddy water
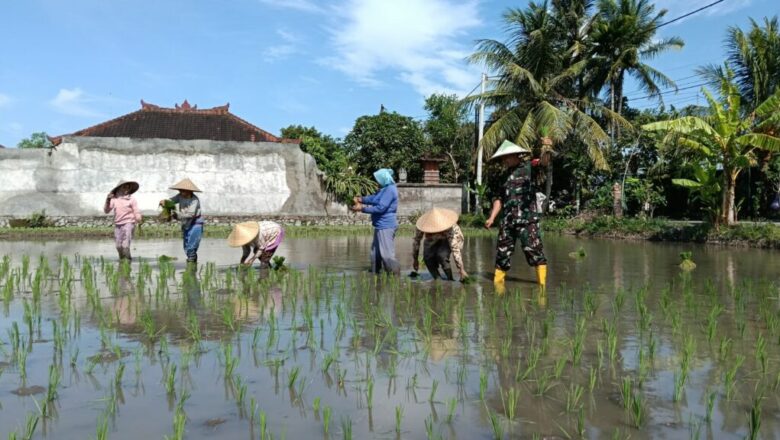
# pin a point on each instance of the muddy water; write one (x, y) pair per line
(456, 361)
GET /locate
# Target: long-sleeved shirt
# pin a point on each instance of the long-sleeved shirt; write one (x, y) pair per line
(125, 209)
(454, 237)
(188, 210)
(267, 238)
(383, 207)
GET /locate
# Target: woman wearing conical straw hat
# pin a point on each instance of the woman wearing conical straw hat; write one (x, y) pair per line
(443, 237)
(126, 215)
(521, 216)
(259, 240)
(188, 211)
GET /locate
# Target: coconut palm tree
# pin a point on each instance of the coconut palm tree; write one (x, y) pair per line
(728, 136)
(754, 57)
(533, 90)
(623, 38)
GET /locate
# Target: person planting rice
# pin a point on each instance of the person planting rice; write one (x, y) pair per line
(439, 227)
(521, 215)
(382, 206)
(188, 212)
(259, 240)
(126, 215)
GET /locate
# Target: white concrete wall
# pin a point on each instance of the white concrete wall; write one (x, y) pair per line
(237, 178)
(415, 198)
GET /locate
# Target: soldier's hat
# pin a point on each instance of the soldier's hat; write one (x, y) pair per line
(508, 148)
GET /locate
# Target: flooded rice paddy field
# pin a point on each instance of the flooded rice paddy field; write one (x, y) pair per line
(622, 345)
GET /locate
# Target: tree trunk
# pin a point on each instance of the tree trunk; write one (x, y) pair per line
(617, 200)
(728, 209)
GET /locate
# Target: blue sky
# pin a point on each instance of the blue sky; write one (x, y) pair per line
(67, 65)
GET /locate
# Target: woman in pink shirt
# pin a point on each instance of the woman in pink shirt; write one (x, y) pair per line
(126, 215)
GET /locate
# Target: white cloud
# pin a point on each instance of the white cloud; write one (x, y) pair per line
(677, 8)
(4, 100)
(415, 39)
(289, 46)
(74, 102)
(299, 5)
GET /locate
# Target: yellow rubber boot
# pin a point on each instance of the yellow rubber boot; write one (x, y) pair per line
(498, 281)
(541, 275)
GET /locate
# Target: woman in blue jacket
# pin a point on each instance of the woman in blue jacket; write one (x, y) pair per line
(383, 207)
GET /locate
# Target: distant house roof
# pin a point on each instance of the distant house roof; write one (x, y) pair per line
(2, 146)
(184, 122)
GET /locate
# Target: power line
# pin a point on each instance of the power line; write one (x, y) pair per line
(654, 95)
(688, 14)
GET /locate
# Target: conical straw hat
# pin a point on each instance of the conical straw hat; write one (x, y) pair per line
(243, 233)
(437, 220)
(186, 185)
(508, 148)
(131, 186)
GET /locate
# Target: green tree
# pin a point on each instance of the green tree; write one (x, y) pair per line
(726, 136)
(534, 93)
(330, 155)
(36, 140)
(754, 57)
(386, 140)
(450, 134)
(624, 35)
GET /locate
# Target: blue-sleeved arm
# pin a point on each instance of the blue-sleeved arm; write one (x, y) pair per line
(373, 199)
(380, 204)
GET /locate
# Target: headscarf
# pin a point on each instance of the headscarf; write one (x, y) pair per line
(384, 177)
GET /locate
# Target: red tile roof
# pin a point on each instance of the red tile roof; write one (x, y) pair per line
(185, 122)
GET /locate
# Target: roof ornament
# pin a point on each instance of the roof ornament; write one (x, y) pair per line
(185, 106)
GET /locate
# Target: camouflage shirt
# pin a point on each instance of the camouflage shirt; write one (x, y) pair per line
(519, 197)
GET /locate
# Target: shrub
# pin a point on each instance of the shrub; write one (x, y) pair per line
(38, 220)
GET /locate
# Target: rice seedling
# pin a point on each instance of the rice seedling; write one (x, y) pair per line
(574, 397)
(326, 412)
(292, 377)
(495, 424)
(399, 415)
(21, 364)
(761, 355)
(544, 383)
(679, 385)
(754, 419)
(54, 382)
(637, 410)
(510, 402)
(724, 348)
(262, 423)
(30, 425)
(729, 379)
(626, 390)
(712, 321)
(483, 384)
(432, 395)
(102, 429)
(370, 392)
(170, 379)
(560, 364)
(710, 404)
(346, 428)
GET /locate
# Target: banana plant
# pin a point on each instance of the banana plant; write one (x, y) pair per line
(729, 136)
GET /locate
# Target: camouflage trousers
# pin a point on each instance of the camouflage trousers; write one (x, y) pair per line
(530, 240)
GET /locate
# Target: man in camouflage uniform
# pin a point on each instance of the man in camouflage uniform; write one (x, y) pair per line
(521, 217)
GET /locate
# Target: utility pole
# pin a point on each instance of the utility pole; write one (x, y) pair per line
(480, 133)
